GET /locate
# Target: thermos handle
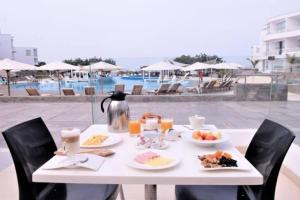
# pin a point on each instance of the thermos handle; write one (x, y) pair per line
(102, 108)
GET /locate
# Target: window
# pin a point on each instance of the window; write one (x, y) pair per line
(280, 26)
(280, 47)
(28, 52)
(268, 29)
(35, 52)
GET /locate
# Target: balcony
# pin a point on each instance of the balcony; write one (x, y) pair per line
(283, 52)
(282, 35)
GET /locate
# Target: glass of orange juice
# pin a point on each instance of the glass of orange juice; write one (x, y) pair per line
(165, 124)
(134, 127)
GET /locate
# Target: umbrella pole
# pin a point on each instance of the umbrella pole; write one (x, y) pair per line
(58, 82)
(8, 82)
(210, 73)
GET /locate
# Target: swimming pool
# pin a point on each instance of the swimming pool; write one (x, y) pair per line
(100, 85)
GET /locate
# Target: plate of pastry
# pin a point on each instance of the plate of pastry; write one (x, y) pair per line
(221, 160)
(206, 138)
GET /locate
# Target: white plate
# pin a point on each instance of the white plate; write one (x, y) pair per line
(242, 164)
(111, 140)
(132, 163)
(205, 143)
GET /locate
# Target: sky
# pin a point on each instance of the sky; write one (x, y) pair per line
(138, 32)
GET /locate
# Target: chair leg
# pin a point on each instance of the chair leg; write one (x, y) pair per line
(122, 193)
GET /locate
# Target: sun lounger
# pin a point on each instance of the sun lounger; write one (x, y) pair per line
(69, 92)
(137, 90)
(89, 90)
(227, 85)
(35, 92)
(163, 89)
(174, 88)
(209, 87)
(119, 88)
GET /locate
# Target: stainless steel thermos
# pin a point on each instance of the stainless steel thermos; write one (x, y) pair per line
(117, 113)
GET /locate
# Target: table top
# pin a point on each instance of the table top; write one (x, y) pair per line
(187, 172)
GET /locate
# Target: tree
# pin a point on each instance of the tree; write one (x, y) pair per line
(291, 59)
(253, 63)
(88, 61)
(202, 57)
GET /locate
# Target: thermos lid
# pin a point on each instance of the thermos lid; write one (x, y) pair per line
(118, 96)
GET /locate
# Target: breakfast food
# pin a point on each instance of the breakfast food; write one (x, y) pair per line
(149, 115)
(217, 159)
(206, 135)
(95, 140)
(152, 159)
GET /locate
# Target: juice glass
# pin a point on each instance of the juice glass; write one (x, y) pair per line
(166, 124)
(134, 127)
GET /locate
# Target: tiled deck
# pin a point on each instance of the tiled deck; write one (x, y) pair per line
(224, 114)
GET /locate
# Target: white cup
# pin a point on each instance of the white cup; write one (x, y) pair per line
(197, 122)
(70, 141)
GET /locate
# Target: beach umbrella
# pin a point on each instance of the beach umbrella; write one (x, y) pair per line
(8, 65)
(58, 66)
(161, 67)
(101, 66)
(197, 66)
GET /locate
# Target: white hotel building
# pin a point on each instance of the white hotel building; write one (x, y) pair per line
(27, 55)
(279, 37)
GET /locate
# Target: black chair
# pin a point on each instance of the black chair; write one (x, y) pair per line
(266, 153)
(31, 145)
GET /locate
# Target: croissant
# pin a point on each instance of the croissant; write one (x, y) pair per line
(149, 115)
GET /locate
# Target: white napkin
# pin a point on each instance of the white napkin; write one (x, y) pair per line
(94, 162)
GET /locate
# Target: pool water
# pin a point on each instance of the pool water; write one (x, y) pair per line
(101, 85)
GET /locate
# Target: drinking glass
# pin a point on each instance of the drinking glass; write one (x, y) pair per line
(134, 127)
(70, 141)
(165, 124)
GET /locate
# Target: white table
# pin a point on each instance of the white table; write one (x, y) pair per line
(188, 172)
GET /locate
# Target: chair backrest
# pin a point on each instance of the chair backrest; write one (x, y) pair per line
(31, 145)
(137, 90)
(174, 87)
(266, 153)
(228, 83)
(68, 92)
(119, 88)
(32, 92)
(163, 88)
(89, 91)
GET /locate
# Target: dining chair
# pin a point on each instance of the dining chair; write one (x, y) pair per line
(266, 153)
(31, 145)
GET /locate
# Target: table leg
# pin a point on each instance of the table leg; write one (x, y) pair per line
(150, 192)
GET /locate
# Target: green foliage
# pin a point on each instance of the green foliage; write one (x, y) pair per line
(41, 63)
(88, 61)
(202, 57)
(253, 63)
(291, 60)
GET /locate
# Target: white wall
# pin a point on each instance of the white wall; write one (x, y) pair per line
(26, 55)
(6, 46)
